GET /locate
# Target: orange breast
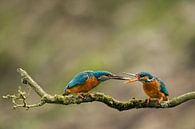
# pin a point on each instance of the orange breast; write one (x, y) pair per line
(87, 86)
(152, 89)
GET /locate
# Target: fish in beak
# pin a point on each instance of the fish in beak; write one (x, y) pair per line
(134, 79)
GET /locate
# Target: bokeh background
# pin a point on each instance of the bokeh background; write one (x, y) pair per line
(55, 39)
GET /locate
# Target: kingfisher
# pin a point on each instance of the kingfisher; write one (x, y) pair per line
(152, 85)
(83, 82)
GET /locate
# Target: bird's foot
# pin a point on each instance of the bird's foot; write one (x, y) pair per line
(90, 95)
(148, 100)
(160, 100)
(80, 95)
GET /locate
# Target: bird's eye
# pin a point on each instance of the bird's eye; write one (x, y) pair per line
(141, 75)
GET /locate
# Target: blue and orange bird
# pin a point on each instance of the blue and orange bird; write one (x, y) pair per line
(85, 81)
(153, 86)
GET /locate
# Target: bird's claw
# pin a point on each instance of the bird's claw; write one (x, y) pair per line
(80, 95)
(90, 95)
(160, 100)
(148, 100)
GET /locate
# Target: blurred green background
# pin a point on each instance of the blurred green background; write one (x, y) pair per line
(55, 39)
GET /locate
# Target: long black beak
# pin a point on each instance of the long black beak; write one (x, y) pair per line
(118, 77)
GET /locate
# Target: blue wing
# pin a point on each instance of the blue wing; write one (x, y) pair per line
(78, 79)
(163, 88)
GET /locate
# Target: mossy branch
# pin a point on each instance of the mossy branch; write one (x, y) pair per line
(100, 97)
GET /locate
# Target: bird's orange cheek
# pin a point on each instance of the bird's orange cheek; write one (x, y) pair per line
(102, 77)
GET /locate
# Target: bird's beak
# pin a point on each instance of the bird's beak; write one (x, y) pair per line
(133, 80)
(118, 77)
(130, 74)
(130, 80)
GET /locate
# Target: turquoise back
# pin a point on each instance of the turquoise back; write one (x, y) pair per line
(79, 79)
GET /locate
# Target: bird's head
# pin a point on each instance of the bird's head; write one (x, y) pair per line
(105, 75)
(143, 77)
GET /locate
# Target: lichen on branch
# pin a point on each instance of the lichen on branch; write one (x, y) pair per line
(99, 97)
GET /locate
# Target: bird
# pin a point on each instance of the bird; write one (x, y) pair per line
(84, 81)
(152, 85)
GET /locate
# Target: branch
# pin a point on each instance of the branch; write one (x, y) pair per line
(100, 97)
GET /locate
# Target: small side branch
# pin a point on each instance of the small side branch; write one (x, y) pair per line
(19, 100)
(99, 97)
